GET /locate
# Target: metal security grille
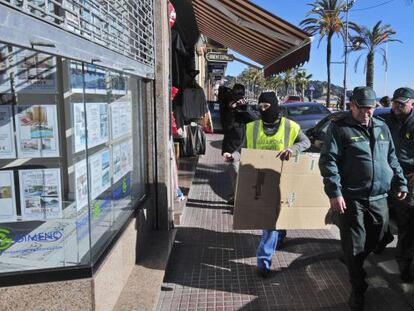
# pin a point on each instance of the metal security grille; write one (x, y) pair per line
(124, 26)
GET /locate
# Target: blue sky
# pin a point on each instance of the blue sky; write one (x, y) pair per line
(400, 55)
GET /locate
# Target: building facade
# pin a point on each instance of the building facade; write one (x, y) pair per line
(84, 147)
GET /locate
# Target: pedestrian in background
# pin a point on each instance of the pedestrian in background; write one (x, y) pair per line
(358, 164)
(385, 101)
(401, 124)
(235, 114)
(273, 132)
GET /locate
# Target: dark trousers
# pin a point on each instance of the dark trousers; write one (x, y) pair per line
(405, 246)
(361, 226)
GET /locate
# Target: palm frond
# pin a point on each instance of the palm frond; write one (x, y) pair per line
(384, 55)
(357, 63)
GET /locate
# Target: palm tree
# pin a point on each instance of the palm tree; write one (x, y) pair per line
(327, 22)
(371, 41)
(273, 83)
(302, 79)
(287, 80)
(251, 77)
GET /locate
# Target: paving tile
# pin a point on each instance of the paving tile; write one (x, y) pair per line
(212, 267)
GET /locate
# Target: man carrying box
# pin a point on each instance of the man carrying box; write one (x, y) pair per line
(273, 132)
(358, 165)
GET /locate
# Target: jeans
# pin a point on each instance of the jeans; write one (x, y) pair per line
(267, 247)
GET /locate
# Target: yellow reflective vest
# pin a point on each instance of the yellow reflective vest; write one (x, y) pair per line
(283, 138)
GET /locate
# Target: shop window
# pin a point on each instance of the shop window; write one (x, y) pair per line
(72, 161)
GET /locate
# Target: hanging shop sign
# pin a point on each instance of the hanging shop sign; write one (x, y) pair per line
(219, 57)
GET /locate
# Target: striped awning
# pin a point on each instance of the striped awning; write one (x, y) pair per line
(253, 32)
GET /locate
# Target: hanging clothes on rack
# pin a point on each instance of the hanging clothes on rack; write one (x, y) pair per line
(194, 104)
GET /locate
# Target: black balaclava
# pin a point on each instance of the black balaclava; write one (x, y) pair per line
(271, 115)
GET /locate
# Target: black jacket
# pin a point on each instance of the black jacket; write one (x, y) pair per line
(358, 162)
(234, 127)
(402, 131)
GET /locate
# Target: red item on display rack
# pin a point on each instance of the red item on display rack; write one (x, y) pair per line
(172, 15)
(174, 125)
(174, 92)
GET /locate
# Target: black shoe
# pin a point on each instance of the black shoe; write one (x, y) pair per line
(405, 275)
(387, 239)
(356, 301)
(262, 272)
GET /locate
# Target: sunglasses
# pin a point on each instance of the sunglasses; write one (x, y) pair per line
(399, 104)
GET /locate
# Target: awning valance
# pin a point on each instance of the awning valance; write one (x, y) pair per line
(253, 32)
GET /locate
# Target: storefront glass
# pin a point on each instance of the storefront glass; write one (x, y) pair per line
(72, 161)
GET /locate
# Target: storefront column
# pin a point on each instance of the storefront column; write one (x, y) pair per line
(162, 114)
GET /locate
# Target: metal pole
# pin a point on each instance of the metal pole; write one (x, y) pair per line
(346, 53)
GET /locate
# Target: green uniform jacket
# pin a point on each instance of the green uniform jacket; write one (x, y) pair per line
(360, 163)
(402, 132)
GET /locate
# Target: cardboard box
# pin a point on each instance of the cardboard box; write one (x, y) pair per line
(279, 194)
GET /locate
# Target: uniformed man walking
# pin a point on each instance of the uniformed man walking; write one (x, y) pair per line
(273, 132)
(401, 124)
(358, 165)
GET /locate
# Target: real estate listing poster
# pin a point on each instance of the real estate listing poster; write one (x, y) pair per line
(97, 123)
(81, 185)
(7, 197)
(76, 77)
(90, 77)
(121, 119)
(79, 127)
(37, 131)
(118, 83)
(121, 159)
(95, 80)
(5, 86)
(34, 72)
(7, 148)
(40, 194)
(100, 174)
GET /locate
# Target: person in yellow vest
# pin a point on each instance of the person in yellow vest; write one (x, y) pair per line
(273, 132)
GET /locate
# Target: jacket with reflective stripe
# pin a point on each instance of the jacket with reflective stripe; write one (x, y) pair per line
(284, 137)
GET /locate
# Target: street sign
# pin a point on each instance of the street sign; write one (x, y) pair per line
(218, 71)
(219, 57)
(311, 88)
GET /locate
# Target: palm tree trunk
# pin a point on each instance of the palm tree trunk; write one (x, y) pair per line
(328, 66)
(370, 70)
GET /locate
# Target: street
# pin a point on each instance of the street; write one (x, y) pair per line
(212, 267)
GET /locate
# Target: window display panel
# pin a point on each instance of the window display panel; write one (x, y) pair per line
(39, 221)
(72, 159)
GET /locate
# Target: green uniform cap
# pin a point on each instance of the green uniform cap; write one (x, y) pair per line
(403, 95)
(364, 96)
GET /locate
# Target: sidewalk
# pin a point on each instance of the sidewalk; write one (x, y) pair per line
(212, 267)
